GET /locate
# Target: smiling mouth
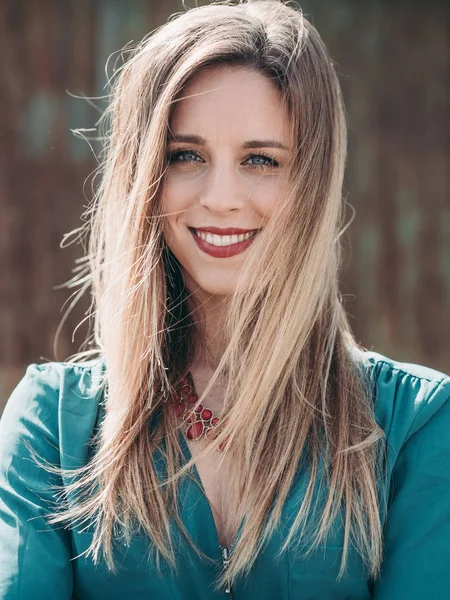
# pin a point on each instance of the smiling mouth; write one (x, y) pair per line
(223, 246)
(223, 240)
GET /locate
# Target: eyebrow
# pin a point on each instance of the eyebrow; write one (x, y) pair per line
(200, 141)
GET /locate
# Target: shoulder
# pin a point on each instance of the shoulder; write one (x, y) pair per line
(407, 398)
(48, 387)
(55, 405)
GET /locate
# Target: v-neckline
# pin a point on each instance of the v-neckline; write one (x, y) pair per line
(203, 498)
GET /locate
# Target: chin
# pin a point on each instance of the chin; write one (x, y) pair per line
(216, 286)
(218, 289)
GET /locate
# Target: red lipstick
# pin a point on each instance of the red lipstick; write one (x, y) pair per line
(224, 231)
(223, 251)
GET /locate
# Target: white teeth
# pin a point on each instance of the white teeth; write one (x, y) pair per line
(223, 240)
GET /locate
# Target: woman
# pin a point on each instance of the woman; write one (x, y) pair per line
(230, 438)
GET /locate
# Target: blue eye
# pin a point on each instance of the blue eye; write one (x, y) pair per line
(189, 156)
(183, 156)
(262, 160)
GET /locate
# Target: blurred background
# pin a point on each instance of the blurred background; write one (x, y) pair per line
(392, 58)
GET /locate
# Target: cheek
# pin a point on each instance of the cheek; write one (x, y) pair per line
(178, 196)
(174, 203)
(266, 199)
(171, 197)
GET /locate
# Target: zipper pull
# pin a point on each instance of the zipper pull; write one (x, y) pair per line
(225, 563)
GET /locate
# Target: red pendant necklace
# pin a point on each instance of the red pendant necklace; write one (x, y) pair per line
(201, 421)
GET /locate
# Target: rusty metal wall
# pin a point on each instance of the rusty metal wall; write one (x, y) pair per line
(393, 62)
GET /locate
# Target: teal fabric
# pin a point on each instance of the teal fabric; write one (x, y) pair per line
(56, 409)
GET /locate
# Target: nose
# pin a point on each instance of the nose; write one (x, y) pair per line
(222, 192)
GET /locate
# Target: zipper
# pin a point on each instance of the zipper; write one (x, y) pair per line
(225, 561)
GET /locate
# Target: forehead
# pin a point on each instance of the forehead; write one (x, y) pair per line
(233, 101)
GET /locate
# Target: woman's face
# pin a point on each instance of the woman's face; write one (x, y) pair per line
(228, 154)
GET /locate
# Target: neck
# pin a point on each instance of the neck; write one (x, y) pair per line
(210, 347)
(211, 327)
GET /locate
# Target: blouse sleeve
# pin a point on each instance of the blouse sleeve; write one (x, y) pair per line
(34, 557)
(416, 562)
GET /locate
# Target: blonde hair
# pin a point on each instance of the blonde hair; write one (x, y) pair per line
(308, 398)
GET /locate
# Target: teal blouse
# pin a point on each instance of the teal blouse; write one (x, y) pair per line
(56, 409)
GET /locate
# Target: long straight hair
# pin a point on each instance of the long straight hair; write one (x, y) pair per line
(308, 398)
